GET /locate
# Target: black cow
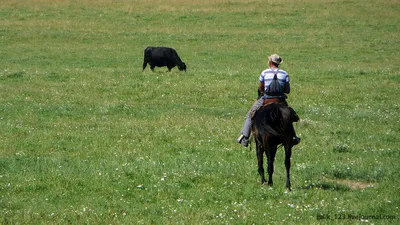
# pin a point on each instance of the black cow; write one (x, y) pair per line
(162, 56)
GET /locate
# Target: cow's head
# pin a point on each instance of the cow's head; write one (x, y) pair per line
(182, 67)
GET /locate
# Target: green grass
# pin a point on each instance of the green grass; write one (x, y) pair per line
(86, 137)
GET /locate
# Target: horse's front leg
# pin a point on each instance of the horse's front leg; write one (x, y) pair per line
(271, 152)
(288, 155)
(260, 151)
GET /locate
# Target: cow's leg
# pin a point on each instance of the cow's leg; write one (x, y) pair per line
(260, 155)
(170, 65)
(152, 67)
(271, 152)
(288, 155)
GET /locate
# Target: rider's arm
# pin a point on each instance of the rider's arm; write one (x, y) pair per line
(261, 87)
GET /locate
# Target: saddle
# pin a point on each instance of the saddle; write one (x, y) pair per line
(268, 101)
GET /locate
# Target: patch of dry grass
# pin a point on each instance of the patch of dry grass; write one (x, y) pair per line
(353, 184)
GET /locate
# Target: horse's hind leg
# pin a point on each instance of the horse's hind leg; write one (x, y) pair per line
(288, 155)
(271, 152)
(260, 155)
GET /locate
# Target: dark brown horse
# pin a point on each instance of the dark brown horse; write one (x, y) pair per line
(272, 126)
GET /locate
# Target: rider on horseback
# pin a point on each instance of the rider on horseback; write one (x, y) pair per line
(274, 83)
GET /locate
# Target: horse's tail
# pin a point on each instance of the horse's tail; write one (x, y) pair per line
(271, 119)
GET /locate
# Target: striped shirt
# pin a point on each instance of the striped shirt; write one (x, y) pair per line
(267, 76)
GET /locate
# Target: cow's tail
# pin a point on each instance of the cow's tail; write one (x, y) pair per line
(147, 55)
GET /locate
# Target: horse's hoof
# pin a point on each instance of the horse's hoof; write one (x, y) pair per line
(263, 181)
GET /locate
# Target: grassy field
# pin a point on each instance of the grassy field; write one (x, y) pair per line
(86, 137)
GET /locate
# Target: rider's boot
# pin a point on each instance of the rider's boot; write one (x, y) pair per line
(243, 140)
(295, 140)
